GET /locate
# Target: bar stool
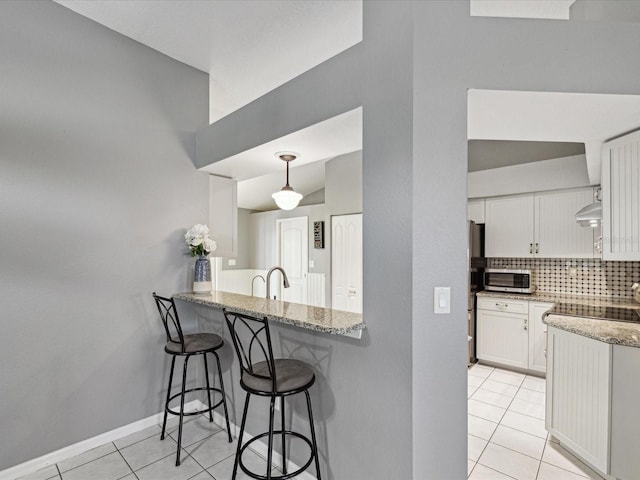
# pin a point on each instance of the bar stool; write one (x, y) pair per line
(179, 344)
(261, 374)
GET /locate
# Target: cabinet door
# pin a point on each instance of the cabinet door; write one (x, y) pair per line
(475, 210)
(557, 234)
(223, 215)
(346, 262)
(538, 337)
(509, 226)
(578, 400)
(621, 198)
(502, 338)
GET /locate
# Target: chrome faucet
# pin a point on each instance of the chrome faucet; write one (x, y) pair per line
(257, 276)
(285, 280)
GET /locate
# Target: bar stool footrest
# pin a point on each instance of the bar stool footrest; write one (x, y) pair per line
(277, 434)
(195, 412)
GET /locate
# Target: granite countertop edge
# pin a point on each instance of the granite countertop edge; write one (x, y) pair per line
(210, 300)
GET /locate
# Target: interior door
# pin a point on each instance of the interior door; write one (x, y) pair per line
(293, 242)
(346, 262)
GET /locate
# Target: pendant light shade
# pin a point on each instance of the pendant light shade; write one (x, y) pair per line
(591, 215)
(287, 198)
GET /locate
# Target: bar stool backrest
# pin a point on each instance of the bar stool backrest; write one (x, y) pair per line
(252, 342)
(170, 320)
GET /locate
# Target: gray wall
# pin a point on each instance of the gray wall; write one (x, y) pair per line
(392, 405)
(97, 187)
(399, 395)
(343, 184)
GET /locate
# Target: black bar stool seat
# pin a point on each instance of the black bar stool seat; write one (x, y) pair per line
(181, 345)
(263, 375)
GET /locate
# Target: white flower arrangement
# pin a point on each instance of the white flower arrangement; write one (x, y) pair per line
(198, 241)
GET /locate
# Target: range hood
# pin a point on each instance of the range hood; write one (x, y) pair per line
(591, 215)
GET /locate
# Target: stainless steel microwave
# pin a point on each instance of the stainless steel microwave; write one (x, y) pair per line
(508, 280)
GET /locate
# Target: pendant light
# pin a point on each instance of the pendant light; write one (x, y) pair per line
(287, 198)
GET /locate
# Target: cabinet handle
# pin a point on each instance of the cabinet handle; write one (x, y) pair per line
(536, 247)
(531, 248)
(501, 306)
(525, 324)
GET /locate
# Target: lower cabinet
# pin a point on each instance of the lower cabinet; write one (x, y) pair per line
(502, 332)
(578, 398)
(511, 333)
(592, 402)
(538, 336)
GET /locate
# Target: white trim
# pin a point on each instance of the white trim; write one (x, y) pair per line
(64, 453)
(31, 466)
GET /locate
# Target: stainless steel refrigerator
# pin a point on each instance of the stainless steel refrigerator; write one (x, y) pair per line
(476, 265)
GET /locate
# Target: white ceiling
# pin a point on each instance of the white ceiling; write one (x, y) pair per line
(553, 117)
(249, 47)
(551, 9)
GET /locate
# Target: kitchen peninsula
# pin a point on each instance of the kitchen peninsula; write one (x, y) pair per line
(320, 319)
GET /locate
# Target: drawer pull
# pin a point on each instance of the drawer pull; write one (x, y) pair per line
(531, 248)
(525, 324)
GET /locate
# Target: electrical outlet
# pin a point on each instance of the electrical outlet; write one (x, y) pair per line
(573, 272)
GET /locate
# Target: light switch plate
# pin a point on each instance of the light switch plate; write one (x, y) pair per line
(232, 262)
(442, 300)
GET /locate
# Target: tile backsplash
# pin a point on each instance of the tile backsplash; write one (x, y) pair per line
(577, 276)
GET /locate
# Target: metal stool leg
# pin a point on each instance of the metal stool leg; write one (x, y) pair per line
(239, 447)
(272, 405)
(284, 446)
(224, 397)
(166, 403)
(206, 373)
(313, 434)
(184, 383)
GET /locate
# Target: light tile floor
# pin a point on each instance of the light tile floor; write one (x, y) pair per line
(506, 440)
(506, 435)
(206, 454)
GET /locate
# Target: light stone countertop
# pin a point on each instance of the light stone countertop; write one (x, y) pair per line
(598, 327)
(305, 316)
(551, 297)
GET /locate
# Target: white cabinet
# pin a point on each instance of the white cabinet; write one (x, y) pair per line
(475, 210)
(621, 198)
(592, 401)
(578, 395)
(223, 215)
(511, 333)
(557, 234)
(541, 224)
(509, 226)
(502, 331)
(538, 336)
(625, 414)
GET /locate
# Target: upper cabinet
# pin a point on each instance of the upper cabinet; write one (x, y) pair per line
(541, 224)
(475, 210)
(621, 198)
(223, 215)
(509, 226)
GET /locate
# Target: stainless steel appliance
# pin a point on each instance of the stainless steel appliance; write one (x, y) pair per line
(477, 262)
(508, 280)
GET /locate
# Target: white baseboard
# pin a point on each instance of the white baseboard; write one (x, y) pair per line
(65, 453)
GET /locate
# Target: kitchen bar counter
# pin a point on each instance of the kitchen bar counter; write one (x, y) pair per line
(320, 319)
(610, 320)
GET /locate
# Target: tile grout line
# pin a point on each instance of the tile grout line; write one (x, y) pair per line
(500, 423)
